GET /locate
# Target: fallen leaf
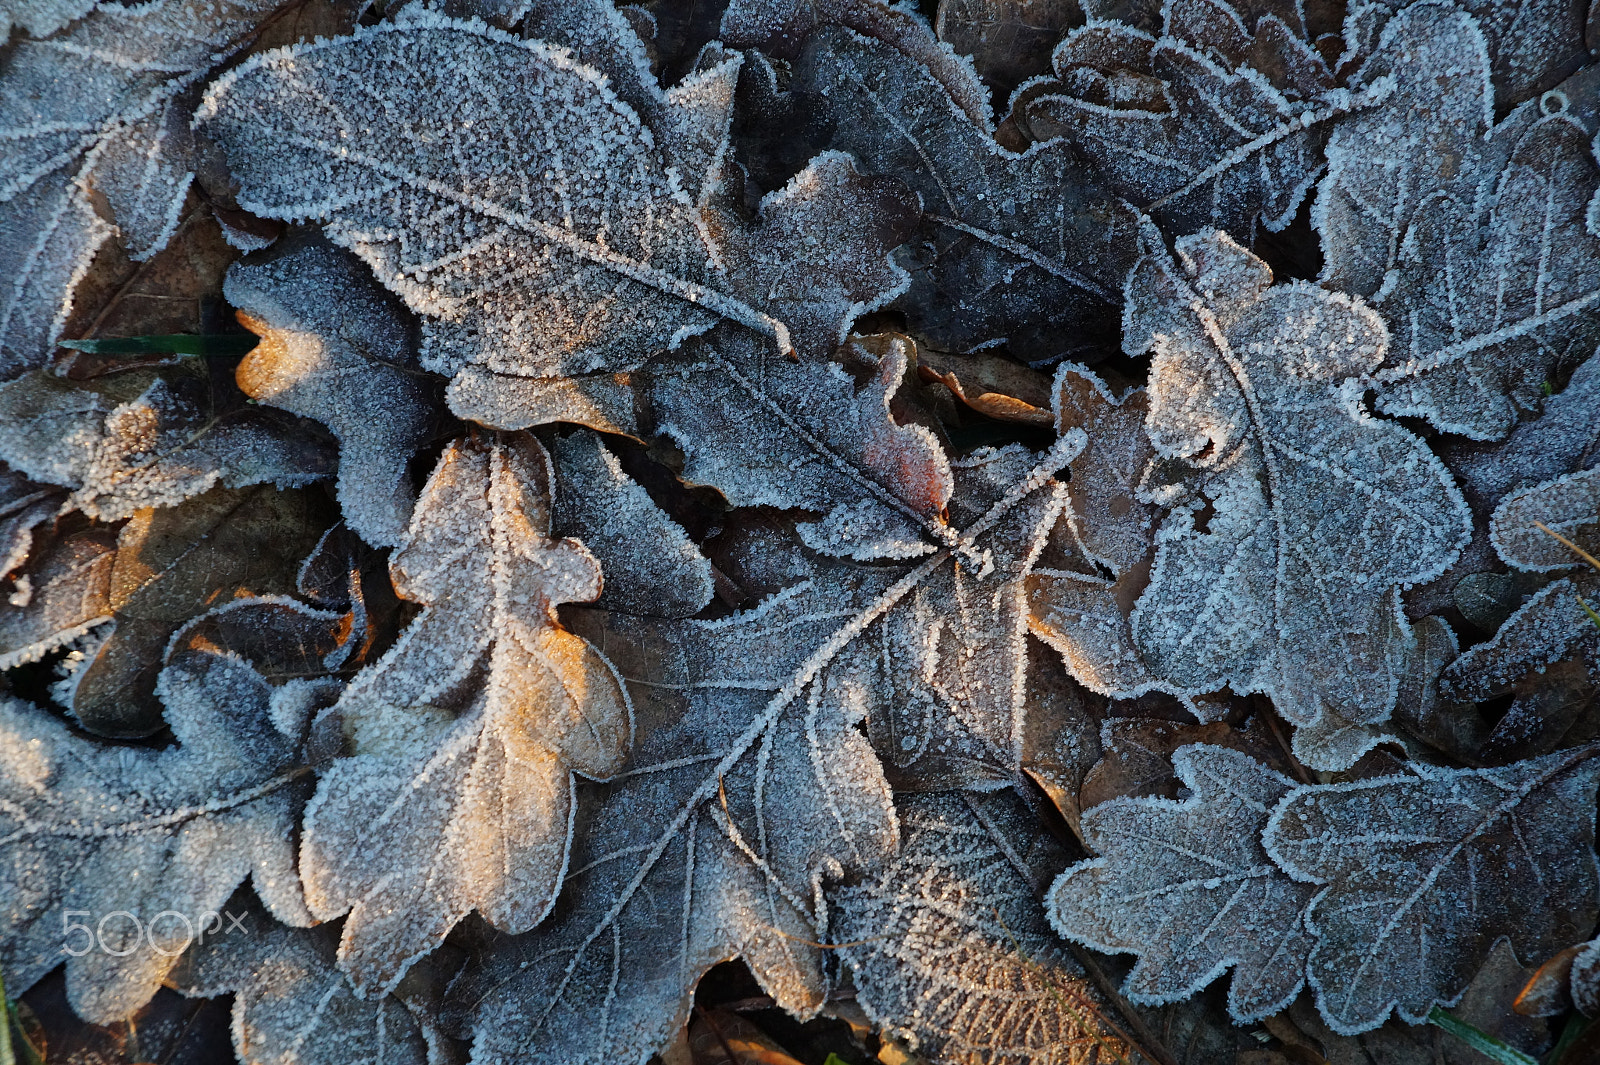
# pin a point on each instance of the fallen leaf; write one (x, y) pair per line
(1288, 590)
(131, 838)
(949, 952)
(171, 566)
(651, 567)
(345, 361)
(1188, 887)
(1419, 873)
(117, 128)
(137, 440)
(457, 794)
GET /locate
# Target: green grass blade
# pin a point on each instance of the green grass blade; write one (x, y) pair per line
(170, 344)
(834, 1059)
(8, 1056)
(1481, 1041)
(1587, 609)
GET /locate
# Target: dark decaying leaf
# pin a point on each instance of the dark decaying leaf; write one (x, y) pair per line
(990, 384)
(171, 566)
(948, 949)
(23, 506)
(1136, 758)
(1418, 875)
(1290, 588)
(1014, 246)
(457, 794)
(163, 835)
(64, 592)
(1185, 126)
(1008, 41)
(348, 363)
(781, 28)
(1188, 887)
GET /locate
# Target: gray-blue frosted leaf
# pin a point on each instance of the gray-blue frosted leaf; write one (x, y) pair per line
(1187, 887)
(101, 107)
(99, 830)
(1419, 876)
(1291, 587)
(335, 348)
(650, 565)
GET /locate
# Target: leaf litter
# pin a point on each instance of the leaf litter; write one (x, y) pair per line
(916, 507)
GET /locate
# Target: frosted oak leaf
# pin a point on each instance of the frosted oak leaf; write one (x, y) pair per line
(292, 1005)
(465, 735)
(1555, 623)
(1530, 43)
(1420, 874)
(1080, 612)
(750, 786)
(651, 566)
(1188, 887)
(171, 565)
(766, 431)
(535, 222)
(134, 440)
(1013, 245)
(948, 949)
(335, 348)
(1291, 587)
(1479, 251)
(86, 827)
